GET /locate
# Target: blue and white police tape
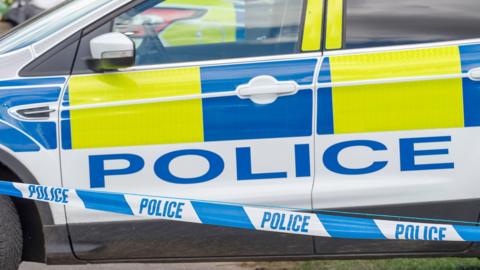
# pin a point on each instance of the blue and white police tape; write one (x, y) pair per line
(244, 217)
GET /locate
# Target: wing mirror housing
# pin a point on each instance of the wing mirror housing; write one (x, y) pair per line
(111, 51)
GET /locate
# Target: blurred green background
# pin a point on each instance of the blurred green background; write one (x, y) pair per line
(4, 6)
(393, 264)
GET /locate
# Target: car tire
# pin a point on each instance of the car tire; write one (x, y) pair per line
(11, 240)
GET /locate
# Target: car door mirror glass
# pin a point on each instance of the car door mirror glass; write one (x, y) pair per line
(111, 51)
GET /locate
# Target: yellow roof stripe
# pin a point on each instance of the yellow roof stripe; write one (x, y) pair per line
(334, 25)
(312, 32)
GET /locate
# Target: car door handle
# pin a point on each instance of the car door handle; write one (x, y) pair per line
(279, 89)
(474, 74)
(266, 89)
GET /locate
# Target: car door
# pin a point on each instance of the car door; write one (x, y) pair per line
(397, 116)
(219, 107)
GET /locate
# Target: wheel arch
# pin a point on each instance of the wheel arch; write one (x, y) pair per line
(34, 216)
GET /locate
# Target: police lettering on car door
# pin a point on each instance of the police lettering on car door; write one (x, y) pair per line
(408, 151)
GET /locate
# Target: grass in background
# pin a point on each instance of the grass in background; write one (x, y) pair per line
(394, 264)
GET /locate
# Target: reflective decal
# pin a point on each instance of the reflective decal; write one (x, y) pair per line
(335, 28)
(471, 89)
(133, 125)
(21, 135)
(374, 106)
(396, 64)
(312, 32)
(130, 109)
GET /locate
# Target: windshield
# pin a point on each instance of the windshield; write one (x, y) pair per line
(48, 23)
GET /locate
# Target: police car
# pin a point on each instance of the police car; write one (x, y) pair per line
(368, 106)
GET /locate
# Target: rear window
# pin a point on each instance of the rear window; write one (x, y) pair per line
(374, 23)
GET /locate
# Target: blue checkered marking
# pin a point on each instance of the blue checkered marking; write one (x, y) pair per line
(233, 118)
(229, 77)
(43, 132)
(470, 55)
(325, 123)
(33, 82)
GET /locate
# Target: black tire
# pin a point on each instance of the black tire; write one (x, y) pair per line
(11, 240)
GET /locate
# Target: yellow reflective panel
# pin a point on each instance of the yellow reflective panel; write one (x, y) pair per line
(397, 106)
(133, 125)
(312, 32)
(334, 25)
(94, 89)
(396, 64)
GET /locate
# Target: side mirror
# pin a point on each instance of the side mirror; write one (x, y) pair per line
(112, 51)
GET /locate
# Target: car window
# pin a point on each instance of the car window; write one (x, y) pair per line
(373, 23)
(48, 23)
(173, 31)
